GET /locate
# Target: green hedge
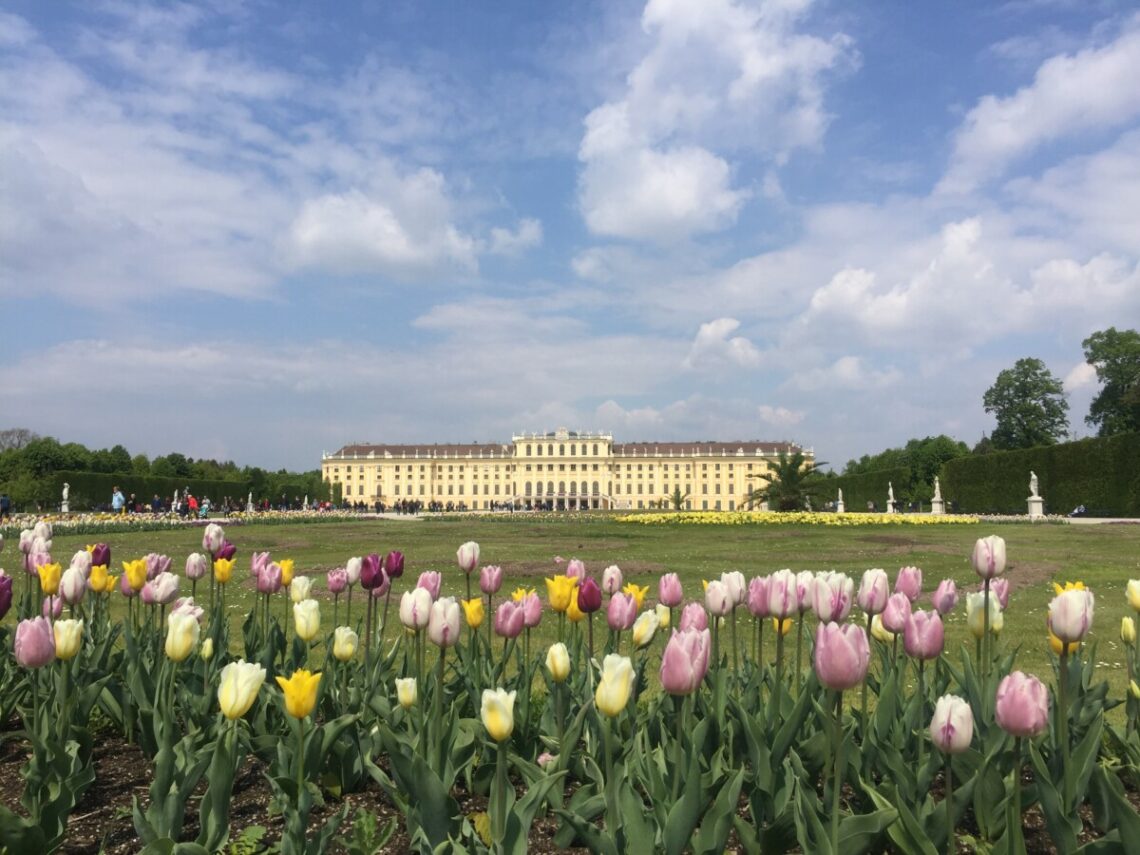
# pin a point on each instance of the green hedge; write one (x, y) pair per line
(1103, 474)
(90, 490)
(869, 487)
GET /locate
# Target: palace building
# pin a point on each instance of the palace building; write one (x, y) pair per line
(560, 470)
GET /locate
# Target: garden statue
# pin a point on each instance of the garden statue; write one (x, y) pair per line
(64, 507)
(937, 489)
(1032, 483)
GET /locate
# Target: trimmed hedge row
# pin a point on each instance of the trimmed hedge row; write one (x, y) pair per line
(91, 490)
(1103, 474)
(858, 490)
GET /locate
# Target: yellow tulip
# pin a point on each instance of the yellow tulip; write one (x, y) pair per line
(1127, 630)
(300, 692)
(638, 592)
(573, 613)
(473, 611)
(1132, 589)
(68, 637)
(520, 594)
(784, 629)
(207, 650)
(615, 685)
(1056, 644)
(498, 713)
(98, 578)
(223, 569)
(345, 643)
(406, 692)
(136, 573)
(880, 632)
(182, 632)
(560, 590)
(49, 579)
(662, 616)
(558, 662)
(286, 565)
(238, 687)
(1069, 586)
(644, 628)
(112, 583)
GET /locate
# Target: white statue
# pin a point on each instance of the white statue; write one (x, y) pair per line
(937, 489)
(890, 492)
(1032, 483)
(249, 500)
(840, 501)
(306, 504)
(66, 491)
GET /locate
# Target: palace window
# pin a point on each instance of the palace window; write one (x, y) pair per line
(528, 450)
(595, 449)
(573, 450)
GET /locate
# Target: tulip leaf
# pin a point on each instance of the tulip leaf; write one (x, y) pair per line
(596, 840)
(686, 811)
(907, 834)
(1123, 815)
(717, 821)
(989, 796)
(810, 833)
(1064, 826)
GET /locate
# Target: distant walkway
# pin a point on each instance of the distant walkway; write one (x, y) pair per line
(1103, 520)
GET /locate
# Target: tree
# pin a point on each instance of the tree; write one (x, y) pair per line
(677, 498)
(1029, 405)
(1116, 357)
(791, 482)
(16, 438)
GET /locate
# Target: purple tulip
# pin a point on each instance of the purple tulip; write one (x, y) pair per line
(196, 566)
(5, 593)
(783, 602)
(758, 597)
(611, 579)
(685, 661)
(187, 606)
(370, 571)
(52, 607)
(532, 610)
(394, 564)
(510, 618)
(490, 579)
(269, 579)
(383, 588)
(923, 635)
(337, 580)
(874, 590)
(429, 580)
(101, 555)
(694, 616)
(896, 612)
(669, 591)
(228, 550)
(621, 612)
(909, 582)
(147, 593)
(988, 557)
(576, 569)
(589, 596)
(1022, 705)
(35, 643)
(945, 596)
(842, 655)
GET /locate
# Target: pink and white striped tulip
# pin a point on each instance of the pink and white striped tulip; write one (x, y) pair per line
(685, 661)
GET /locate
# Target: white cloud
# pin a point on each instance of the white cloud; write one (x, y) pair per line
(780, 416)
(1080, 376)
(713, 346)
(527, 235)
(849, 373)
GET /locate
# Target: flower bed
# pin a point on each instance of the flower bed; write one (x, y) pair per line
(793, 518)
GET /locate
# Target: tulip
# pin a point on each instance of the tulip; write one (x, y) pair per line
(345, 643)
(187, 606)
(38, 559)
(1071, 615)
(874, 590)
(443, 622)
(952, 727)
(415, 608)
(286, 565)
(269, 580)
(988, 557)
(430, 581)
(473, 611)
(81, 560)
(669, 590)
(999, 588)
(1022, 705)
(213, 538)
(559, 589)
(718, 598)
(612, 579)
(498, 713)
(805, 580)
(1132, 589)
(52, 607)
(35, 643)
(896, 612)
(5, 593)
(576, 569)
(73, 585)
(165, 588)
(510, 618)
(307, 619)
(353, 569)
(621, 612)
(842, 655)
(532, 610)
(975, 615)
(135, 572)
(394, 564)
(638, 592)
(909, 582)
(300, 589)
(644, 628)
(783, 601)
(545, 759)
(100, 554)
(26, 538)
(43, 529)
(490, 579)
(574, 614)
(923, 635)
(589, 596)
(68, 638)
(227, 551)
(945, 597)
(371, 571)
(406, 692)
(1059, 647)
(156, 564)
(337, 580)
(558, 662)
(736, 585)
(147, 593)
(49, 579)
(685, 661)
(207, 650)
(694, 616)
(664, 615)
(195, 566)
(182, 631)
(100, 581)
(880, 632)
(614, 685)
(468, 556)
(125, 586)
(300, 692)
(223, 570)
(831, 596)
(381, 590)
(1127, 627)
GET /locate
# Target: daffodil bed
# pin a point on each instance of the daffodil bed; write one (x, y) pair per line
(676, 705)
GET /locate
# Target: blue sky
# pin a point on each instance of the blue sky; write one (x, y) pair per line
(259, 231)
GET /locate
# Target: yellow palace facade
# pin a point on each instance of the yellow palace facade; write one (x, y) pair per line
(559, 470)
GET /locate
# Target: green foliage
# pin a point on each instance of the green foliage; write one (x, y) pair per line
(1116, 357)
(1101, 474)
(791, 482)
(921, 458)
(860, 489)
(365, 836)
(1029, 405)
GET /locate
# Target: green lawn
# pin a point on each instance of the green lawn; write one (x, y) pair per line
(1103, 556)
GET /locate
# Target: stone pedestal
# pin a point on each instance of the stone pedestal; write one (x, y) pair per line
(937, 506)
(892, 507)
(1036, 507)
(840, 507)
(64, 507)
(249, 507)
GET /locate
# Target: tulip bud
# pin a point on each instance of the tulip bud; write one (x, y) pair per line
(300, 589)
(736, 585)
(1071, 615)
(207, 650)
(5, 593)
(35, 643)
(614, 685)
(611, 579)
(406, 691)
(490, 579)
(286, 565)
(952, 727)
(468, 556)
(182, 632)
(300, 692)
(532, 610)
(383, 588)
(156, 564)
(186, 606)
(842, 655)
(228, 550)
(510, 618)
(559, 589)
(664, 617)
(213, 538)
(430, 581)
(1127, 630)
(945, 597)
(896, 612)
(909, 582)
(874, 589)
(694, 616)
(81, 560)
(337, 580)
(498, 713)
(345, 643)
(1132, 590)
(831, 596)
(685, 661)
(42, 530)
(783, 600)
(269, 580)
(68, 638)
(669, 590)
(923, 635)
(988, 557)
(165, 588)
(307, 620)
(52, 607)
(558, 662)
(49, 579)
(352, 570)
(415, 609)
(644, 628)
(718, 598)
(223, 570)
(443, 622)
(1022, 705)
(394, 564)
(473, 611)
(101, 554)
(370, 571)
(576, 569)
(880, 632)
(805, 581)
(73, 585)
(589, 596)
(621, 612)
(195, 566)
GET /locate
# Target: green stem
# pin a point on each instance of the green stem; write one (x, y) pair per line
(779, 688)
(837, 784)
(1014, 817)
(300, 760)
(987, 650)
(863, 691)
(437, 706)
(420, 685)
(950, 847)
(499, 813)
(560, 715)
(1063, 716)
(735, 658)
(799, 651)
(679, 761)
(921, 711)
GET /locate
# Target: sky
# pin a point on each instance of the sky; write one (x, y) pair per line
(260, 231)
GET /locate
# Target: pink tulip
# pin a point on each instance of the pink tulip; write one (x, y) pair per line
(718, 598)
(831, 596)
(196, 566)
(490, 579)
(999, 588)
(430, 580)
(758, 597)
(382, 587)
(952, 727)
(945, 596)
(532, 610)
(805, 581)
(669, 591)
(337, 580)
(611, 579)
(842, 655)
(443, 622)
(35, 643)
(1070, 615)
(783, 602)
(510, 618)
(467, 556)
(621, 612)
(415, 609)
(81, 560)
(909, 582)
(156, 564)
(576, 569)
(269, 579)
(1022, 705)
(988, 557)
(73, 585)
(923, 635)
(258, 561)
(52, 607)
(685, 661)
(874, 589)
(187, 606)
(694, 616)
(896, 612)
(147, 593)
(125, 587)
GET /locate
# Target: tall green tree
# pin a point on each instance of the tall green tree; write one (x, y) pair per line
(1116, 357)
(1029, 404)
(790, 482)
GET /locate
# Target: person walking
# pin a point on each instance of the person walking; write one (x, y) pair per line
(118, 500)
